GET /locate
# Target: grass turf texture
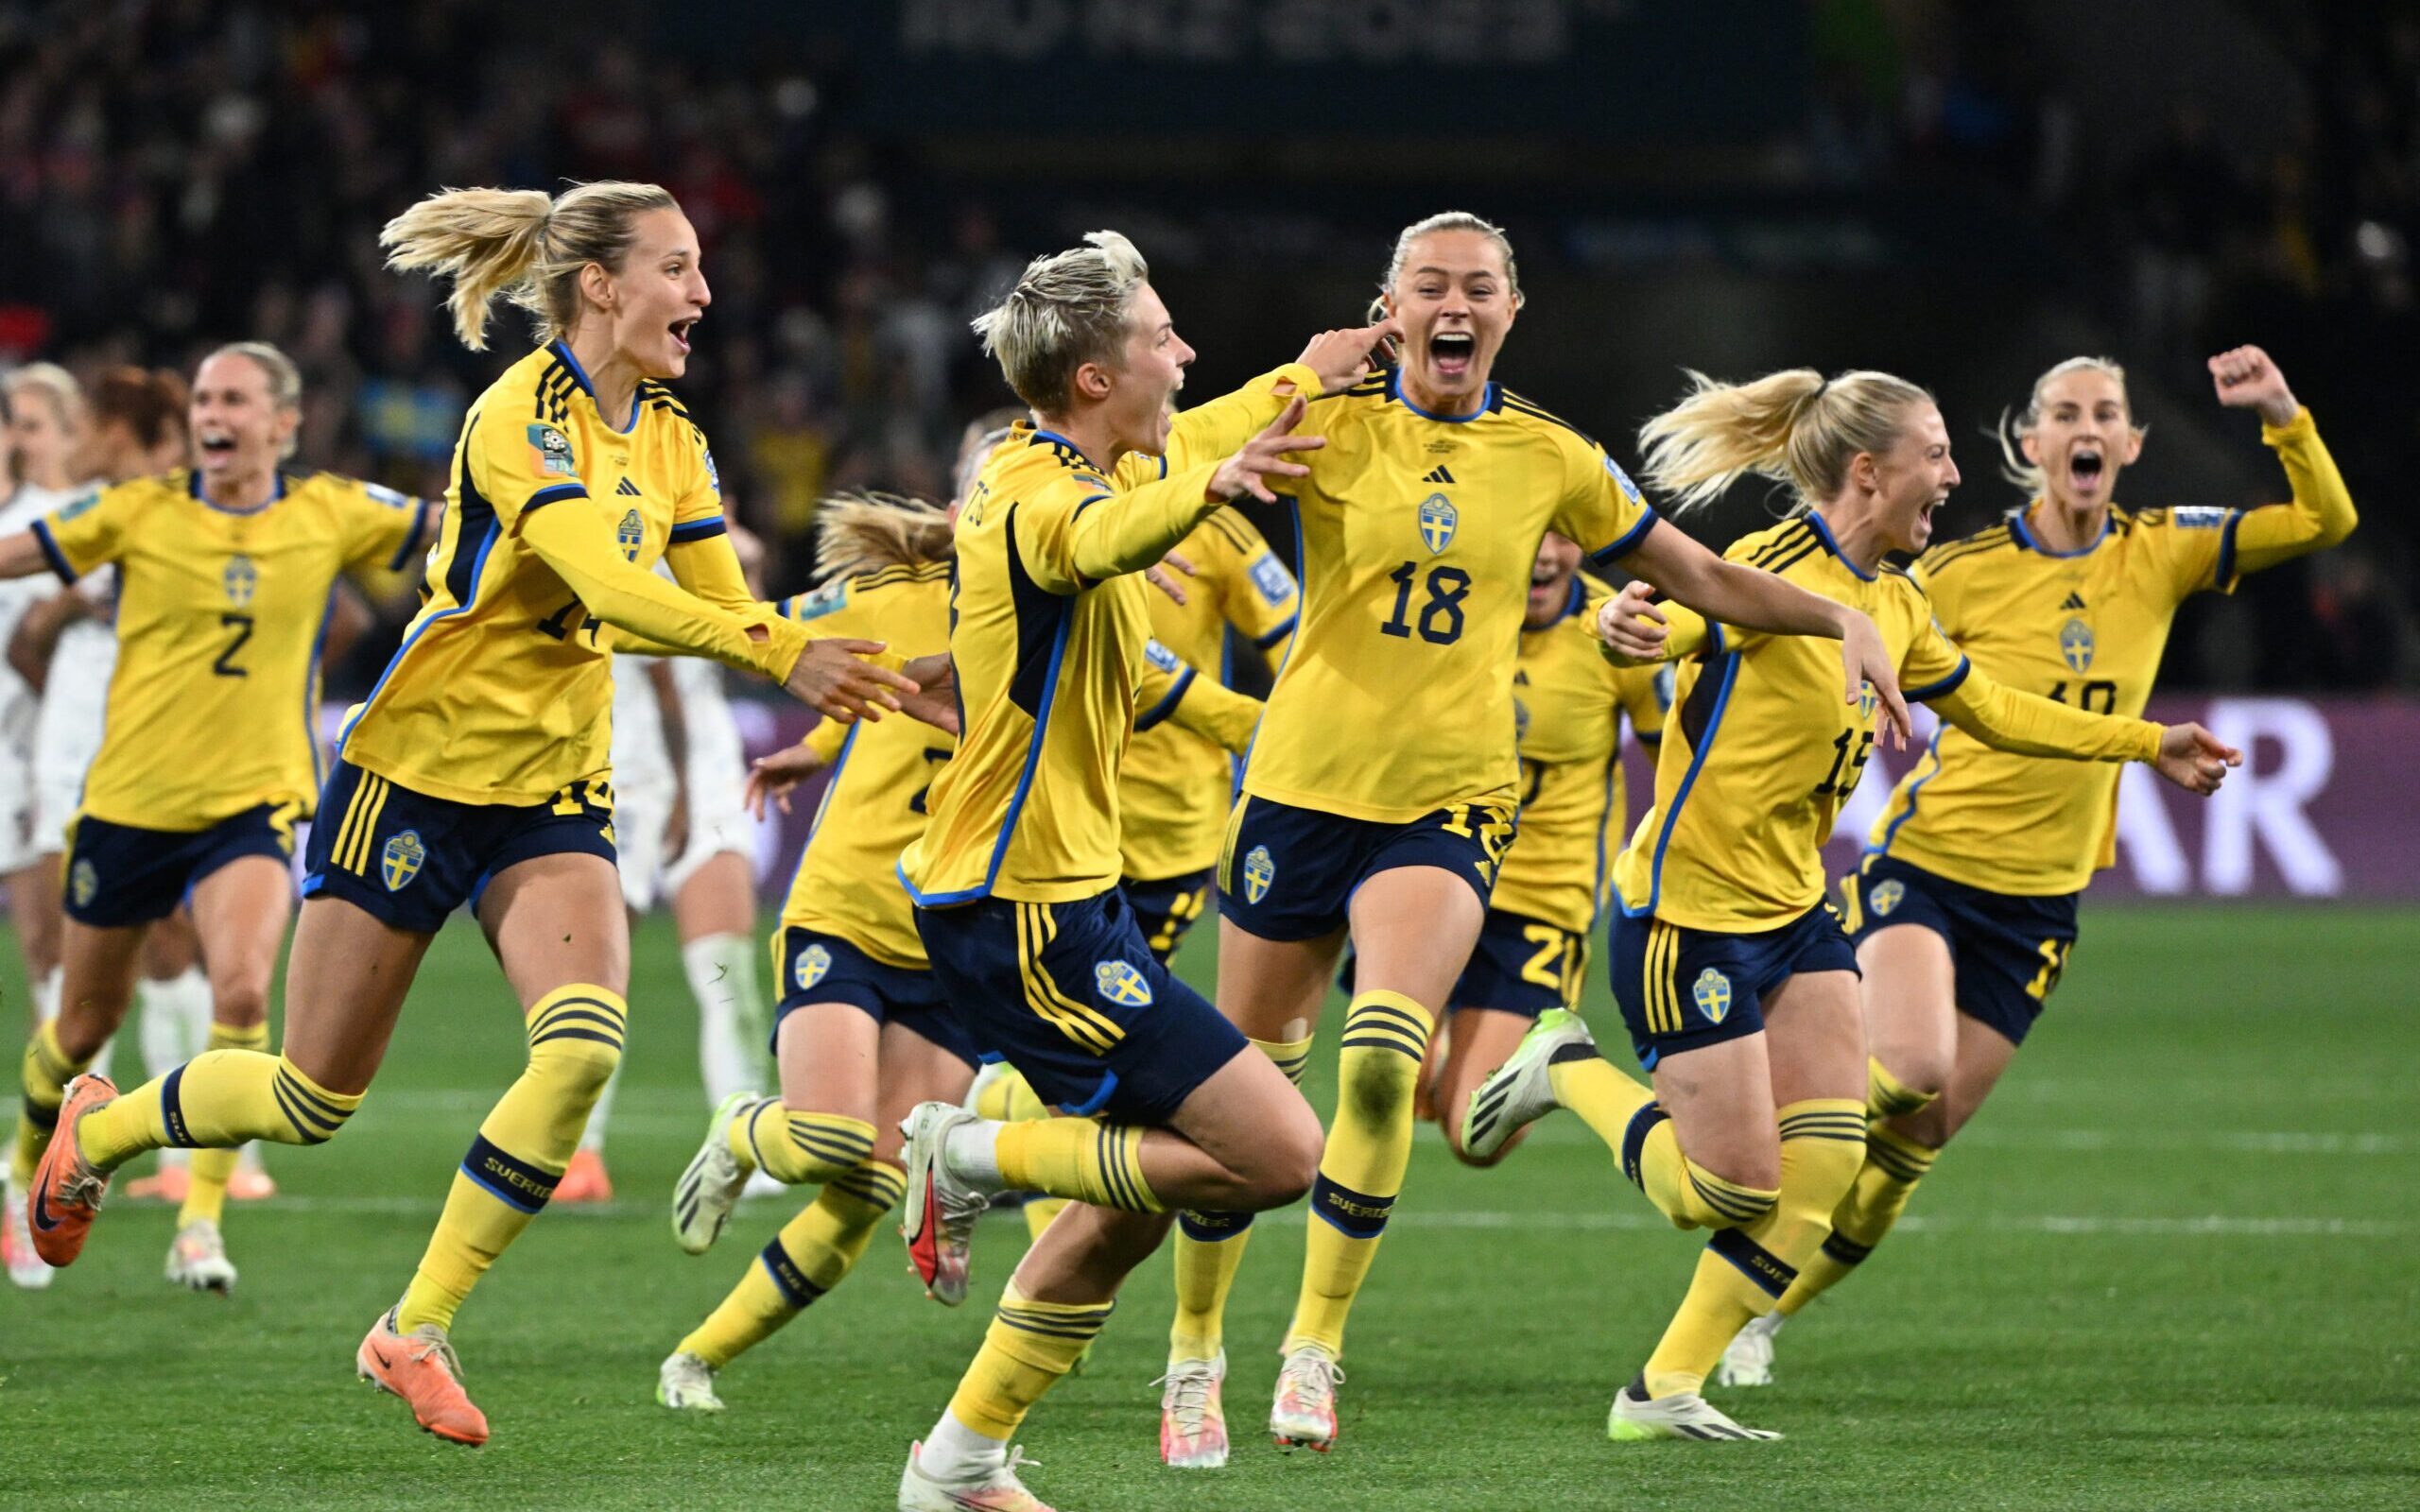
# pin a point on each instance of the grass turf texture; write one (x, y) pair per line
(2170, 1267)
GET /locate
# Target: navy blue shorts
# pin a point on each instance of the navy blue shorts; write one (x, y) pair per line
(1291, 873)
(1071, 995)
(2008, 951)
(120, 875)
(818, 967)
(1522, 966)
(1684, 988)
(409, 860)
(1166, 911)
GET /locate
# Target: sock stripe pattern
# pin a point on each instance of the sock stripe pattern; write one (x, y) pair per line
(1213, 1228)
(1642, 1124)
(1824, 1126)
(315, 1112)
(44, 1077)
(1120, 1147)
(872, 1182)
(1887, 1096)
(1354, 1214)
(510, 1180)
(577, 1018)
(1772, 1275)
(1057, 1320)
(1740, 1204)
(1901, 1157)
(1844, 1250)
(789, 1276)
(1379, 1025)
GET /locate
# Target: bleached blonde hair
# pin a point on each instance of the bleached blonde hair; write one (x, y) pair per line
(523, 244)
(1068, 309)
(285, 379)
(2012, 430)
(1795, 426)
(54, 384)
(866, 532)
(1445, 220)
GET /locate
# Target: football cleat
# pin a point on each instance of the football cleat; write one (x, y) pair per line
(1000, 1491)
(711, 1187)
(167, 1184)
(67, 1190)
(1636, 1418)
(1302, 1415)
(1519, 1093)
(250, 1180)
(763, 1184)
(421, 1368)
(584, 1180)
(940, 1209)
(686, 1383)
(25, 1268)
(1749, 1359)
(198, 1258)
(1193, 1426)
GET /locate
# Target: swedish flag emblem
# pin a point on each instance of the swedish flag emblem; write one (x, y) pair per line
(1885, 897)
(1866, 699)
(1119, 981)
(1712, 992)
(813, 962)
(629, 535)
(1437, 520)
(241, 579)
(400, 862)
(2075, 645)
(1259, 871)
(83, 882)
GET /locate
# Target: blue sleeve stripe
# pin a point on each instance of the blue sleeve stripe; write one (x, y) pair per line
(1629, 542)
(2225, 574)
(419, 534)
(1946, 685)
(1166, 705)
(1715, 638)
(559, 491)
(700, 530)
(51, 553)
(1279, 633)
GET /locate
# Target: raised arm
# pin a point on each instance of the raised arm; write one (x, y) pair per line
(1105, 535)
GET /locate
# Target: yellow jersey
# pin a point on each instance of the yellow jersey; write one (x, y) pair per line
(2088, 628)
(214, 707)
(1734, 841)
(502, 691)
(1418, 534)
(1568, 702)
(1049, 632)
(1174, 787)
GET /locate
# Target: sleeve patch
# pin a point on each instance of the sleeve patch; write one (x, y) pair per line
(1160, 656)
(1270, 578)
(2199, 516)
(1621, 479)
(832, 596)
(1664, 681)
(380, 493)
(550, 450)
(712, 475)
(79, 506)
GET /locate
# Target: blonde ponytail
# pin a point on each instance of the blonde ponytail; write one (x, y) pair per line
(1795, 426)
(866, 532)
(520, 244)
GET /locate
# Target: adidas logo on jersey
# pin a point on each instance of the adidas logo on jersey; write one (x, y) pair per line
(629, 488)
(2075, 601)
(1437, 475)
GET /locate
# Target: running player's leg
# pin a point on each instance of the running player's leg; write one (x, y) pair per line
(34, 912)
(172, 1018)
(239, 915)
(713, 909)
(820, 1125)
(1477, 1041)
(97, 968)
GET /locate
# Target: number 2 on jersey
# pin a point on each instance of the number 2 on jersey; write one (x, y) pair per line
(225, 666)
(1441, 617)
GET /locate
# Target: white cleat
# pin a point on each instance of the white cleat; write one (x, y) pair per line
(999, 1491)
(25, 1268)
(1193, 1425)
(1520, 1093)
(1303, 1413)
(763, 1184)
(1749, 1359)
(941, 1207)
(1636, 1419)
(710, 1188)
(198, 1258)
(686, 1383)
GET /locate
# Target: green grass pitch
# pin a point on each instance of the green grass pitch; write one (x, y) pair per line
(2170, 1267)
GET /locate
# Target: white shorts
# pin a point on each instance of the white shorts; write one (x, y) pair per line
(644, 787)
(67, 733)
(18, 712)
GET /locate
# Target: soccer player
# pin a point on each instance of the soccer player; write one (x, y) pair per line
(1015, 876)
(477, 770)
(1381, 791)
(1963, 909)
(1733, 974)
(225, 572)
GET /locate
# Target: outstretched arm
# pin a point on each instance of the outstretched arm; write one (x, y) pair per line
(2320, 512)
(1115, 533)
(2029, 725)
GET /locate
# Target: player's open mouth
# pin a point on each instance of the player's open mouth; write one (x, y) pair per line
(680, 333)
(2084, 468)
(1451, 352)
(216, 443)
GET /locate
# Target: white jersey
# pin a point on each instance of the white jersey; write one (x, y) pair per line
(645, 786)
(20, 706)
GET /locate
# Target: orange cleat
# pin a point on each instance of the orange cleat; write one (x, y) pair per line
(167, 1184)
(584, 1180)
(67, 1190)
(250, 1182)
(420, 1367)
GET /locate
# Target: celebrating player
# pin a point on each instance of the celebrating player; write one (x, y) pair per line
(1963, 910)
(477, 770)
(1381, 790)
(1734, 976)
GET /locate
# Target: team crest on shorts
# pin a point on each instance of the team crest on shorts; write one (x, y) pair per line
(1437, 520)
(2075, 645)
(1712, 992)
(83, 881)
(550, 450)
(629, 535)
(241, 579)
(813, 962)
(1259, 871)
(1886, 897)
(1120, 982)
(400, 862)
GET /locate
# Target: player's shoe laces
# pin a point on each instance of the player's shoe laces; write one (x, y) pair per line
(25, 1268)
(586, 1179)
(999, 1491)
(1519, 1094)
(67, 1190)
(167, 1184)
(1303, 1413)
(940, 1207)
(251, 1181)
(686, 1383)
(198, 1258)
(1193, 1426)
(1749, 1359)
(710, 1188)
(421, 1368)
(1637, 1418)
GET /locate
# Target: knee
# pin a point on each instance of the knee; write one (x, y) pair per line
(1910, 1078)
(1756, 1167)
(1375, 1086)
(576, 1039)
(1288, 1162)
(580, 1067)
(240, 1004)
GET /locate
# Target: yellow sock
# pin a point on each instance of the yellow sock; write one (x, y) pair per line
(45, 1075)
(1893, 1164)
(1887, 1096)
(575, 1043)
(812, 1255)
(996, 1101)
(1027, 1347)
(206, 1188)
(1210, 1245)
(799, 1148)
(1011, 1099)
(1744, 1271)
(218, 1099)
(1377, 1068)
(1094, 1163)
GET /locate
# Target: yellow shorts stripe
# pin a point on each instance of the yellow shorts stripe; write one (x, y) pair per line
(1035, 930)
(355, 808)
(1663, 956)
(368, 831)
